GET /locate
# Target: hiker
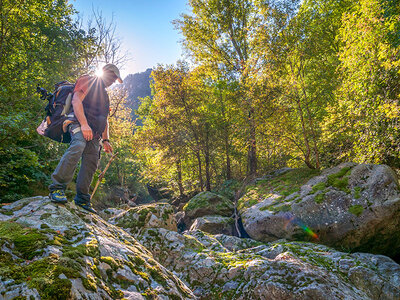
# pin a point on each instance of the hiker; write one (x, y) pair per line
(88, 125)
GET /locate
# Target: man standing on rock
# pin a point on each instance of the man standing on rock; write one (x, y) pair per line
(89, 124)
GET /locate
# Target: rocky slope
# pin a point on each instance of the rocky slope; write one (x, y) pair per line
(51, 251)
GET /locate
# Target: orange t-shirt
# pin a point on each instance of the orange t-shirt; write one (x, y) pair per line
(82, 85)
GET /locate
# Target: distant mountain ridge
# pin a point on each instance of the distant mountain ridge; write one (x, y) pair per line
(138, 86)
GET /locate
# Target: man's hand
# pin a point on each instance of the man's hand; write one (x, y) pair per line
(87, 132)
(107, 147)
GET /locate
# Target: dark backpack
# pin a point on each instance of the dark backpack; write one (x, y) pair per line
(55, 124)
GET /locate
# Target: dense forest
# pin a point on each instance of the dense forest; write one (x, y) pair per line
(266, 84)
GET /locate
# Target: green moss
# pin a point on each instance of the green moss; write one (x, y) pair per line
(6, 212)
(285, 184)
(74, 252)
(232, 260)
(111, 262)
(96, 271)
(57, 289)
(319, 198)
(157, 275)
(196, 202)
(27, 241)
(357, 192)
(244, 203)
(43, 275)
(44, 226)
(92, 248)
(89, 283)
(70, 233)
(310, 255)
(274, 208)
(340, 180)
(137, 260)
(318, 187)
(356, 210)
(136, 268)
(60, 240)
(45, 216)
(69, 267)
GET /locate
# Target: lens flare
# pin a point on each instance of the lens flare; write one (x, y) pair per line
(99, 72)
(297, 221)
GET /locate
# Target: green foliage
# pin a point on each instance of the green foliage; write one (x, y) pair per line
(363, 123)
(271, 84)
(40, 44)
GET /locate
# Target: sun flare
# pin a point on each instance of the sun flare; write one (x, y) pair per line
(99, 72)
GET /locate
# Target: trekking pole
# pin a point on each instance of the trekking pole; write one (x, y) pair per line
(102, 174)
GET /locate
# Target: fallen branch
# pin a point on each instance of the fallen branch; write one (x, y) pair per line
(102, 174)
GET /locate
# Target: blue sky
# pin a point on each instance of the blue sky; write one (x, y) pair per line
(145, 29)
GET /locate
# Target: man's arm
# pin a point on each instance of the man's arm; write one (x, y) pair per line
(106, 143)
(80, 115)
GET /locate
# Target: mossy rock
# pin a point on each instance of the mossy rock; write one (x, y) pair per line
(155, 215)
(208, 203)
(94, 261)
(258, 270)
(276, 187)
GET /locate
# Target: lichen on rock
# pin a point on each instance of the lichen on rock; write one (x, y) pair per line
(78, 256)
(280, 270)
(146, 216)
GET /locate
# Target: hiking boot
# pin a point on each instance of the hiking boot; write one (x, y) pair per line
(85, 205)
(58, 196)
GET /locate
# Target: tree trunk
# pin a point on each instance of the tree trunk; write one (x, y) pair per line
(314, 137)
(306, 142)
(179, 169)
(252, 150)
(200, 172)
(228, 165)
(207, 160)
(226, 138)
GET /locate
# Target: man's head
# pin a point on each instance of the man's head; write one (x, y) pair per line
(110, 74)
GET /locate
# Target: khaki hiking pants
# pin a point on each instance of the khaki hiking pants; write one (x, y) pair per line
(79, 148)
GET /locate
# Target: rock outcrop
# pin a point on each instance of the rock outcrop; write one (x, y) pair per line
(354, 207)
(207, 203)
(51, 251)
(156, 215)
(214, 225)
(279, 270)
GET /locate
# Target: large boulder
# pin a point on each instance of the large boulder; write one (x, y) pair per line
(208, 203)
(353, 207)
(51, 251)
(278, 270)
(146, 216)
(214, 225)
